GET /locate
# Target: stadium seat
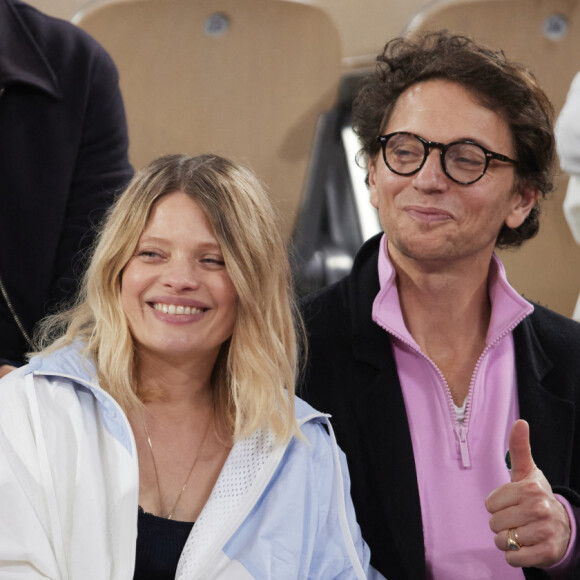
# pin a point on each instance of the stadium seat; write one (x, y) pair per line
(244, 78)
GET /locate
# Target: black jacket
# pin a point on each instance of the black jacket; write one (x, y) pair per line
(63, 154)
(350, 365)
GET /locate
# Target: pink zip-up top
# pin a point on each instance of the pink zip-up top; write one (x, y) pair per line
(459, 463)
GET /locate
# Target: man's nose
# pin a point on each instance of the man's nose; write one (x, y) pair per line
(431, 177)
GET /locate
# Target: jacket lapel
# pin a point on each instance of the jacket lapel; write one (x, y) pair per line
(380, 412)
(551, 418)
(381, 416)
(244, 476)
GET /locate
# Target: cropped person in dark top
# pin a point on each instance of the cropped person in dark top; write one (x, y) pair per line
(63, 157)
(171, 387)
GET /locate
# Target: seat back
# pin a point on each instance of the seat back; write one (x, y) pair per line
(64, 9)
(243, 78)
(545, 35)
(366, 25)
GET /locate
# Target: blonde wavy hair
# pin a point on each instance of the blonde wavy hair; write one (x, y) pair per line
(254, 376)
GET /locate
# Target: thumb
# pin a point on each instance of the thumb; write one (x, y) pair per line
(520, 451)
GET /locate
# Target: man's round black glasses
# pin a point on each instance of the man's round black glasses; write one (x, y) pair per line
(464, 161)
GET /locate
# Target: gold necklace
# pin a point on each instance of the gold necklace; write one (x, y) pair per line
(188, 474)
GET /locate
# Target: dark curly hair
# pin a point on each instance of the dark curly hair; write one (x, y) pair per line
(499, 84)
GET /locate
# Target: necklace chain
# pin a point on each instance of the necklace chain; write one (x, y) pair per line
(170, 516)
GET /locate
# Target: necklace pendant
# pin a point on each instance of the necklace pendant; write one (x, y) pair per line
(198, 453)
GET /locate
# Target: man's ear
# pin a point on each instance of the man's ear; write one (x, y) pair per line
(524, 200)
(372, 183)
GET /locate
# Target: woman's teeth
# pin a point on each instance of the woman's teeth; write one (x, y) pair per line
(174, 309)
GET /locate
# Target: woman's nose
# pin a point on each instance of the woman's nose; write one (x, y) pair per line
(181, 274)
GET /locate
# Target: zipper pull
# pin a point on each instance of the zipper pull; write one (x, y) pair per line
(461, 432)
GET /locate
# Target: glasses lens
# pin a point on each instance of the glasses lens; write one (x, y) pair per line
(465, 162)
(404, 154)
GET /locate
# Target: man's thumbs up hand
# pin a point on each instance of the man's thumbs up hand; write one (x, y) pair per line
(529, 522)
(522, 463)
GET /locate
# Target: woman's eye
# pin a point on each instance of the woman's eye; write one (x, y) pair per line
(214, 261)
(149, 254)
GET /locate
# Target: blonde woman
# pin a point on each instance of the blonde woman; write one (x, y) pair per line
(157, 434)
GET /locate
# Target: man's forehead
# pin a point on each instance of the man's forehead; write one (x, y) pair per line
(442, 110)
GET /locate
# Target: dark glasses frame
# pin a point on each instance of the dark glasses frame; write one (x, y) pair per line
(444, 147)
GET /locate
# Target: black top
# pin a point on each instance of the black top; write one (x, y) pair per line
(64, 155)
(159, 544)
